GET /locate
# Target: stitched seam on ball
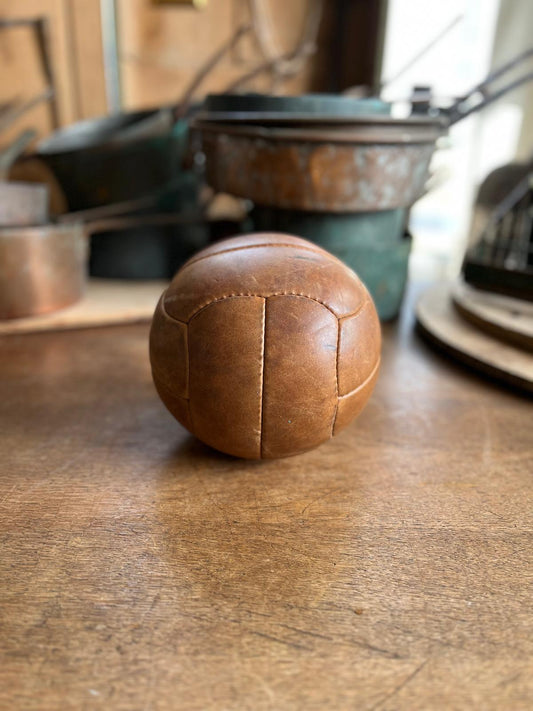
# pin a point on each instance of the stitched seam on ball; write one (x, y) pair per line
(355, 313)
(261, 401)
(189, 410)
(164, 386)
(190, 413)
(167, 315)
(319, 251)
(262, 296)
(336, 377)
(364, 383)
(160, 377)
(187, 362)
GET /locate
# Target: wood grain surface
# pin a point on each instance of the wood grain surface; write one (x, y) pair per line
(389, 569)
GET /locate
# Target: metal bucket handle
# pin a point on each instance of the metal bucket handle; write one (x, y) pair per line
(460, 109)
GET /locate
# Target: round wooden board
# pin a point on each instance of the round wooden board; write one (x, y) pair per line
(442, 324)
(502, 316)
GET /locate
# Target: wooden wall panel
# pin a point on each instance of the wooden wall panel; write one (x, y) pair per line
(162, 47)
(88, 58)
(20, 71)
(76, 54)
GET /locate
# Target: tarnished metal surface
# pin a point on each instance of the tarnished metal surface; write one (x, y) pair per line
(23, 204)
(41, 268)
(326, 171)
(108, 160)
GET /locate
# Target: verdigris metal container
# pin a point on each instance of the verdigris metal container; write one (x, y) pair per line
(375, 245)
(107, 160)
(319, 104)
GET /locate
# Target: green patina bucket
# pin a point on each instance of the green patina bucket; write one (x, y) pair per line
(319, 104)
(97, 163)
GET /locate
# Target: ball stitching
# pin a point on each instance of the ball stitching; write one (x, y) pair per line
(338, 397)
(336, 377)
(262, 379)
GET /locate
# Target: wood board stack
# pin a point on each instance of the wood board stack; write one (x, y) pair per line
(489, 332)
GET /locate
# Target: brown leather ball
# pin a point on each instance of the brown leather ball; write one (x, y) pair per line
(265, 345)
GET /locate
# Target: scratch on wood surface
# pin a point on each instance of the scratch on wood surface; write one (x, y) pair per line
(252, 612)
(495, 514)
(400, 686)
(310, 634)
(320, 498)
(372, 648)
(294, 645)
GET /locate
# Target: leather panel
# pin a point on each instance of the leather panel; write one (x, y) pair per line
(351, 405)
(177, 406)
(168, 351)
(265, 271)
(359, 348)
(300, 391)
(225, 379)
(254, 240)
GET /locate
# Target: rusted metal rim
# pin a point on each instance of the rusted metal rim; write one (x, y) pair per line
(277, 118)
(386, 130)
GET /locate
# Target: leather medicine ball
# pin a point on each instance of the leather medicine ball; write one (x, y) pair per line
(265, 346)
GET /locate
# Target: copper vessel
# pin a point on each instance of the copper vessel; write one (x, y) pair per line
(42, 268)
(23, 204)
(359, 165)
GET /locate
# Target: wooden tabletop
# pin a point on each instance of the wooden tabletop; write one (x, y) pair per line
(388, 569)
